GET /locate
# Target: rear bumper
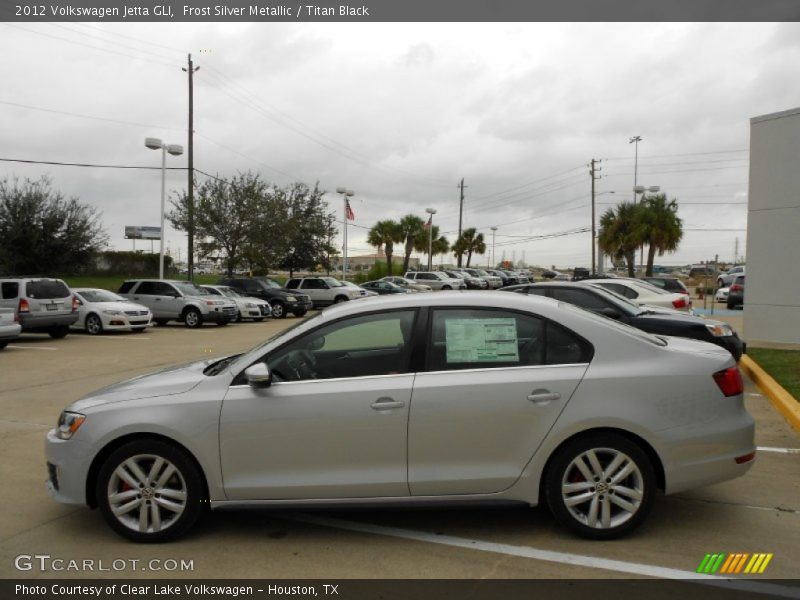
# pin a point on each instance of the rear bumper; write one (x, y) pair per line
(10, 332)
(44, 322)
(705, 453)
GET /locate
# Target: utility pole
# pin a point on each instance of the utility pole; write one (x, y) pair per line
(736, 251)
(460, 214)
(635, 140)
(190, 184)
(592, 171)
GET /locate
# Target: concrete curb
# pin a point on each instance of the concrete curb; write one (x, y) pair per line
(782, 400)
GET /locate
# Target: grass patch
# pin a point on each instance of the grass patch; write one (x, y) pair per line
(782, 365)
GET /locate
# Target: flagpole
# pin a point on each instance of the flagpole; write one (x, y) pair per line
(345, 193)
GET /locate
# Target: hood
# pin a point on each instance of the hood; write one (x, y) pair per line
(167, 382)
(123, 306)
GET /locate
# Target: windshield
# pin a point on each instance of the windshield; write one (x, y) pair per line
(189, 289)
(269, 283)
(100, 296)
(623, 303)
(332, 282)
(622, 327)
(648, 287)
(481, 273)
(229, 292)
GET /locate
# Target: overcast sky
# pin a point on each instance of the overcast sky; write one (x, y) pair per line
(401, 112)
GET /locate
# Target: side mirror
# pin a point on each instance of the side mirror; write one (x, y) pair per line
(258, 375)
(316, 343)
(609, 312)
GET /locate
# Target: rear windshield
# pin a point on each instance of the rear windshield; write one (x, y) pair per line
(46, 288)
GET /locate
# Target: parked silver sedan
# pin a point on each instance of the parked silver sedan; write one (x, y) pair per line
(414, 398)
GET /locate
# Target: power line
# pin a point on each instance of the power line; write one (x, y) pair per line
(535, 181)
(142, 41)
(71, 114)
(682, 154)
(80, 33)
(92, 165)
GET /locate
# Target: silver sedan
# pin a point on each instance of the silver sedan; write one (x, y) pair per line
(456, 397)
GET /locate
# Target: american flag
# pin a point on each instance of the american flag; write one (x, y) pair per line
(428, 223)
(348, 212)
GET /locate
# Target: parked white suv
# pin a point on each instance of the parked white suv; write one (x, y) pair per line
(323, 291)
(436, 280)
(171, 300)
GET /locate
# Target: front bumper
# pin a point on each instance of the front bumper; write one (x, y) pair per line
(67, 469)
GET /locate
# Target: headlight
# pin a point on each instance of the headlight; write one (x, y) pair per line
(249, 305)
(215, 302)
(112, 313)
(68, 424)
(291, 299)
(719, 329)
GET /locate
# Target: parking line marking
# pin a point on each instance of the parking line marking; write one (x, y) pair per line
(31, 347)
(119, 337)
(778, 450)
(578, 560)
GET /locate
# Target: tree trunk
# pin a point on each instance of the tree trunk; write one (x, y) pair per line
(651, 255)
(630, 258)
(409, 249)
(469, 258)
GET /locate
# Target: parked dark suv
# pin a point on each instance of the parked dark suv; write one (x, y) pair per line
(280, 299)
(599, 300)
(736, 292)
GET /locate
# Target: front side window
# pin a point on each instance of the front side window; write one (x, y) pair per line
(375, 344)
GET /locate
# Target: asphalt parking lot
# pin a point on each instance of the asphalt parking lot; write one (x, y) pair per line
(757, 513)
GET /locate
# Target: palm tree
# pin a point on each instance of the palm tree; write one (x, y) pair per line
(620, 234)
(413, 227)
(660, 227)
(385, 234)
(470, 242)
(439, 243)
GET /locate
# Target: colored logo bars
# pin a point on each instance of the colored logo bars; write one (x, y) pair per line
(742, 562)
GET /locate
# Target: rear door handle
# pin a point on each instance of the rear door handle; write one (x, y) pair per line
(543, 396)
(387, 403)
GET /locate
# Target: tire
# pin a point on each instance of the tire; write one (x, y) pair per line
(59, 332)
(93, 324)
(160, 322)
(258, 319)
(446, 287)
(179, 499)
(300, 313)
(3, 345)
(239, 316)
(278, 309)
(222, 323)
(340, 299)
(192, 318)
(602, 515)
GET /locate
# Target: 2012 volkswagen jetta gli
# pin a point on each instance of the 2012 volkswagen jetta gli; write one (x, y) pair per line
(459, 396)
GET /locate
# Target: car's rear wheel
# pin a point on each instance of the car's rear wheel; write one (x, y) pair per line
(222, 323)
(150, 491)
(239, 316)
(93, 324)
(278, 309)
(600, 486)
(160, 322)
(446, 287)
(59, 331)
(192, 318)
(258, 319)
(3, 345)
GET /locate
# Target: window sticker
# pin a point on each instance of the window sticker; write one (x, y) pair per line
(481, 340)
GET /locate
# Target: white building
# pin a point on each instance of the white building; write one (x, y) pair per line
(772, 289)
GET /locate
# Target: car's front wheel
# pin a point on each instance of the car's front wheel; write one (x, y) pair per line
(600, 486)
(150, 491)
(278, 310)
(192, 318)
(93, 324)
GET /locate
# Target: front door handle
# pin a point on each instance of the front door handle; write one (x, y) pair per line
(543, 396)
(387, 403)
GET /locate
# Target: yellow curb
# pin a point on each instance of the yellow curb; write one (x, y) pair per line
(783, 401)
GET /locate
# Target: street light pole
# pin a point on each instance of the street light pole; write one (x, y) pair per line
(431, 212)
(175, 150)
(346, 213)
(494, 229)
(640, 189)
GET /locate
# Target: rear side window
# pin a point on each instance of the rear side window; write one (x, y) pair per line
(252, 286)
(580, 298)
(147, 288)
(9, 289)
(46, 288)
(126, 287)
(293, 284)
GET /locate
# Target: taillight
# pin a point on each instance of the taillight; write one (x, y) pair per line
(735, 288)
(74, 304)
(24, 307)
(679, 303)
(729, 381)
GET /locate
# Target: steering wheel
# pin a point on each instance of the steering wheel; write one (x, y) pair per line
(301, 364)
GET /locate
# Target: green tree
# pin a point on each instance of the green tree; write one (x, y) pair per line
(439, 243)
(41, 231)
(620, 233)
(307, 229)
(660, 227)
(469, 243)
(385, 234)
(224, 215)
(413, 228)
